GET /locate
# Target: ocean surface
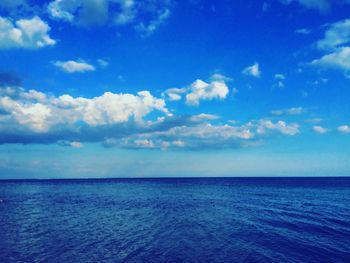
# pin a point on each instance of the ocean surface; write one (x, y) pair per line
(176, 220)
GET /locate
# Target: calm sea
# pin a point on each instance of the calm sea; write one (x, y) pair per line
(176, 220)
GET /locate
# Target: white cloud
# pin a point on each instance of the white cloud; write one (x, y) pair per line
(24, 33)
(76, 144)
(204, 117)
(202, 135)
(303, 31)
(252, 70)
(103, 63)
(40, 112)
(159, 19)
(80, 12)
(72, 66)
(336, 40)
(201, 90)
(73, 144)
(290, 111)
(220, 77)
(206, 135)
(175, 94)
(280, 76)
(336, 35)
(281, 126)
(319, 129)
(344, 129)
(145, 16)
(340, 59)
(127, 13)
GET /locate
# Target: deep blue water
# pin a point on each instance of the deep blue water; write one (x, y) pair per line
(176, 220)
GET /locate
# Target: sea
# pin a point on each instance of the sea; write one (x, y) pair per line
(176, 220)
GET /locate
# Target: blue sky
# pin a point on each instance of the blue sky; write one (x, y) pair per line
(126, 88)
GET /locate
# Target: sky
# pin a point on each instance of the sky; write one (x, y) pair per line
(163, 88)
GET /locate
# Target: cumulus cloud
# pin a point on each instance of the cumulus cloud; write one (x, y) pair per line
(72, 66)
(200, 90)
(320, 129)
(290, 111)
(40, 112)
(344, 129)
(25, 33)
(119, 120)
(252, 70)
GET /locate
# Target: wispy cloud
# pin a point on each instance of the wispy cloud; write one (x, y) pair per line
(320, 129)
(253, 70)
(72, 66)
(144, 16)
(289, 111)
(344, 129)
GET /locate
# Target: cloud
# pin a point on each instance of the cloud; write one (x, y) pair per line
(145, 16)
(290, 111)
(252, 70)
(280, 126)
(340, 59)
(280, 78)
(336, 35)
(336, 41)
(40, 113)
(103, 63)
(151, 26)
(204, 117)
(119, 120)
(319, 129)
(81, 12)
(206, 136)
(175, 94)
(303, 31)
(73, 144)
(200, 90)
(320, 5)
(24, 33)
(72, 66)
(344, 129)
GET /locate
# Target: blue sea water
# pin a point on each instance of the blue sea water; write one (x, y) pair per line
(176, 220)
